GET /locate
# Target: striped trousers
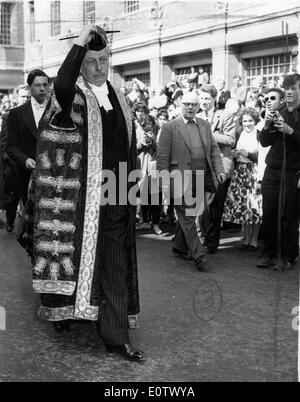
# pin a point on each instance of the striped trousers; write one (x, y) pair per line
(112, 320)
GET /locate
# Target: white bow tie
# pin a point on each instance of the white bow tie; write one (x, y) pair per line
(101, 95)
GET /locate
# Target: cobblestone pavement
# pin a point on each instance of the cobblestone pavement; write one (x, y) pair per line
(233, 323)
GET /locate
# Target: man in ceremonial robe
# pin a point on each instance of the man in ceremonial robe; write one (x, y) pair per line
(84, 252)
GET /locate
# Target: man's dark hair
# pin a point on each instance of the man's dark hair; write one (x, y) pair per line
(290, 80)
(36, 73)
(278, 90)
(211, 89)
(140, 106)
(162, 112)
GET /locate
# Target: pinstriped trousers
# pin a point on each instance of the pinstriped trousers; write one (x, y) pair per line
(112, 320)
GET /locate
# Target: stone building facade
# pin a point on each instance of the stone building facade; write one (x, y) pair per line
(161, 40)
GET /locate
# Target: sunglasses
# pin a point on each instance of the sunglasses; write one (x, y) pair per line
(272, 98)
(190, 104)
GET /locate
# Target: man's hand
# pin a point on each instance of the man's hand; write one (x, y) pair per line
(258, 188)
(242, 152)
(234, 153)
(30, 164)
(268, 118)
(284, 127)
(87, 34)
(221, 177)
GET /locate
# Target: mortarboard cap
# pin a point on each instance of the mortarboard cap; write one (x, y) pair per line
(99, 40)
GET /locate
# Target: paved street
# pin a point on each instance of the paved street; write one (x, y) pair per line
(233, 323)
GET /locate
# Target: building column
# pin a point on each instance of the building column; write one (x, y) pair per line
(298, 55)
(225, 65)
(115, 77)
(156, 66)
(167, 72)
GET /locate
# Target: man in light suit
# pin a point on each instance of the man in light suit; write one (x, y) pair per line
(22, 128)
(186, 144)
(223, 127)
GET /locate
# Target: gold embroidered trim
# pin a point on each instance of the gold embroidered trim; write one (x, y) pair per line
(59, 183)
(92, 207)
(60, 157)
(54, 287)
(60, 137)
(55, 247)
(45, 160)
(64, 313)
(56, 226)
(57, 204)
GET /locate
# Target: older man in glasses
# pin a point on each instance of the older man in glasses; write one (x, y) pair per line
(186, 145)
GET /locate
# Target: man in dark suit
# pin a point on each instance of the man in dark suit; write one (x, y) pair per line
(12, 187)
(187, 145)
(223, 94)
(84, 250)
(22, 128)
(223, 129)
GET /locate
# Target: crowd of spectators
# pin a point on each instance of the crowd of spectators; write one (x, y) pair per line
(152, 107)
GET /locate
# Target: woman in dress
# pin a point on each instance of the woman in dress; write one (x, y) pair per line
(243, 205)
(146, 133)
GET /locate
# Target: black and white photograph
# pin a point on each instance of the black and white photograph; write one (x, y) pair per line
(149, 193)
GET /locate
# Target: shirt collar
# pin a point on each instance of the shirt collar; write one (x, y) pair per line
(186, 120)
(103, 89)
(37, 105)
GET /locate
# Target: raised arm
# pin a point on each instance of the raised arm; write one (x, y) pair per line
(64, 83)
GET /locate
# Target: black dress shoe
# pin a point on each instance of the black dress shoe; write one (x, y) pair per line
(128, 351)
(62, 326)
(201, 264)
(210, 250)
(181, 253)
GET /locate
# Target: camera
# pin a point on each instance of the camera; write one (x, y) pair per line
(275, 117)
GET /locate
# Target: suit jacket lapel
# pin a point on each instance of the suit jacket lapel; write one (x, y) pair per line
(215, 120)
(204, 140)
(183, 132)
(28, 118)
(124, 108)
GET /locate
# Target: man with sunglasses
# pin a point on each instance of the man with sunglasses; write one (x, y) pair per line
(186, 145)
(279, 185)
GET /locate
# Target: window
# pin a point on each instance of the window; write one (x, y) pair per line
(145, 78)
(89, 12)
(131, 6)
(5, 13)
(55, 18)
(31, 22)
(270, 67)
(182, 73)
